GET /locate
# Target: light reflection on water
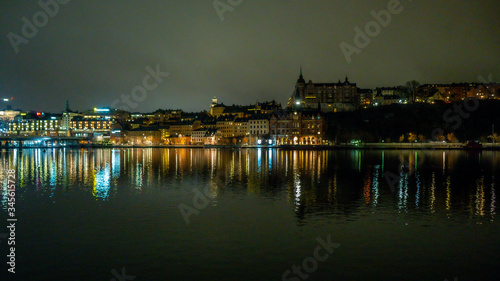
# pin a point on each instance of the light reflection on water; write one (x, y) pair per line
(320, 192)
(310, 178)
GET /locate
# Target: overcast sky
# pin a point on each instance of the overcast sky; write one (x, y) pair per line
(92, 52)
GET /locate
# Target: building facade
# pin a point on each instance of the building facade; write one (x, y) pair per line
(326, 97)
(298, 128)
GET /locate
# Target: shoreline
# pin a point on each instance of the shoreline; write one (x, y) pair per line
(368, 146)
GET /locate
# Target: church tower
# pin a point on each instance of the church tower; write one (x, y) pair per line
(299, 92)
(214, 102)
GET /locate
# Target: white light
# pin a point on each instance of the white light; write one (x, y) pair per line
(5, 99)
(297, 103)
(101, 110)
(259, 142)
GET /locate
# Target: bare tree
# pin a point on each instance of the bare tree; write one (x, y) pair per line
(411, 89)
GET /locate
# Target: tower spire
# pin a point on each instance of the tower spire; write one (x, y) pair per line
(301, 78)
(67, 106)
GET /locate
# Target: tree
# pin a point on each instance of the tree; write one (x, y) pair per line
(421, 138)
(451, 137)
(412, 137)
(496, 137)
(439, 137)
(411, 89)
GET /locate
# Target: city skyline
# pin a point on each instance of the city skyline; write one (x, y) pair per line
(93, 53)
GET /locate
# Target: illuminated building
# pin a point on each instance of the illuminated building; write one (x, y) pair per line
(240, 126)
(142, 136)
(184, 127)
(258, 127)
(329, 97)
(96, 120)
(37, 124)
(67, 116)
(204, 136)
(226, 125)
(8, 115)
(306, 127)
(388, 96)
(79, 123)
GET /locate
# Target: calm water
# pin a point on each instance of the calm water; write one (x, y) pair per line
(83, 213)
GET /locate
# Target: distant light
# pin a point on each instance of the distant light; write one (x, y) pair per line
(53, 118)
(297, 103)
(259, 142)
(5, 99)
(270, 141)
(101, 109)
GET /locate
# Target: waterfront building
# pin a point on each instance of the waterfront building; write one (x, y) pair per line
(258, 128)
(36, 124)
(240, 126)
(204, 136)
(8, 115)
(67, 116)
(183, 128)
(305, 127)
(225, 124)
(198, 135)
(81, 124)
(143, 136)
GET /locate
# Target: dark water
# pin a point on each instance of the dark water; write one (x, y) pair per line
(84, 213)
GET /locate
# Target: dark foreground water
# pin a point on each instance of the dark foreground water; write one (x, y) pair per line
(182, 214)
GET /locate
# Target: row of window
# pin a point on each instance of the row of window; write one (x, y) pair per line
(257, 132)
(296, 125)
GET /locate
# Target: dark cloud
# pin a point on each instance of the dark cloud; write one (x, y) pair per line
(92, 53)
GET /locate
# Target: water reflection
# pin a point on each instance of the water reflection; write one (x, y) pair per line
(314, 182)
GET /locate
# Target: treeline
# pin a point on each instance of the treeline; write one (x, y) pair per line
(468, 120)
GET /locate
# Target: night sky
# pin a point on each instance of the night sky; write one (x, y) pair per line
(92, 52)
